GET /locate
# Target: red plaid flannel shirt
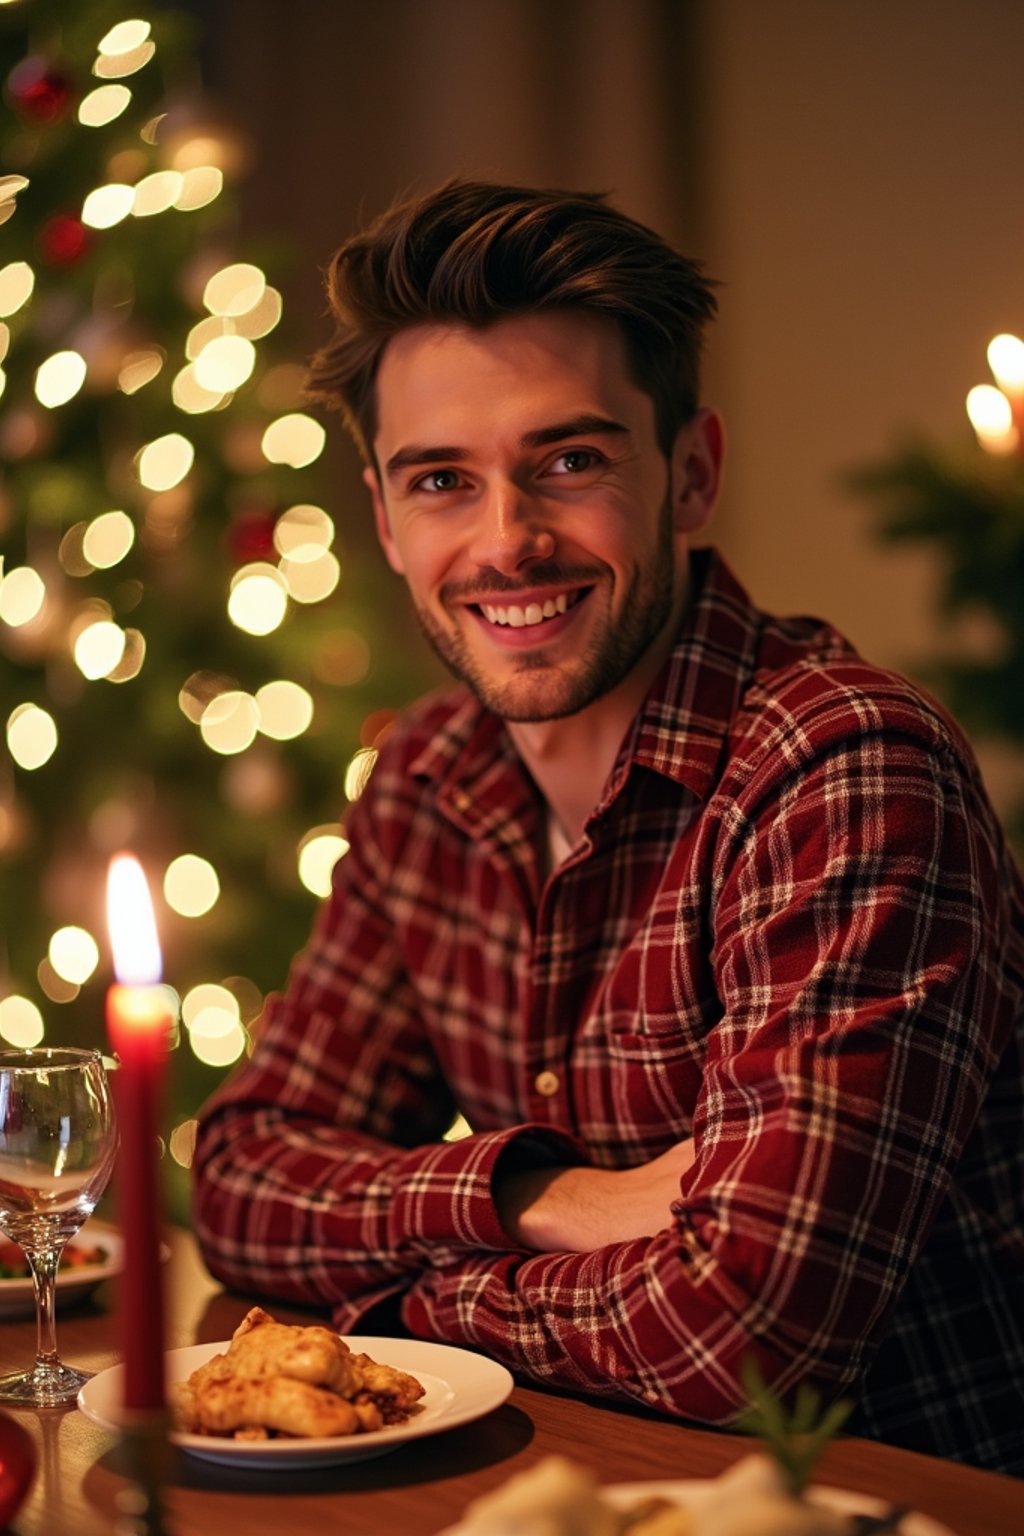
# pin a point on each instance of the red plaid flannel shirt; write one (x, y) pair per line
(791, 928)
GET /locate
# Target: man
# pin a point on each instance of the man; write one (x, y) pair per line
(704, 924)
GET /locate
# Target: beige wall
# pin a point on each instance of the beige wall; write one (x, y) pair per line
(864, 208)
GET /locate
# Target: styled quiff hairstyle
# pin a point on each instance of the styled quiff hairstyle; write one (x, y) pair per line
(472, 253)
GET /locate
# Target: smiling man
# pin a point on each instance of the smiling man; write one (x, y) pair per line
(704, 924)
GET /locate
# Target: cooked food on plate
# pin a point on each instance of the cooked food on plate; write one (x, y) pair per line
(559, 1498)
(76, 1255)
(280, 1380)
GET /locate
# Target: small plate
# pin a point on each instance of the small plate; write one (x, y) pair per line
(460, 1386)
(692, 1490)
(17, 1298)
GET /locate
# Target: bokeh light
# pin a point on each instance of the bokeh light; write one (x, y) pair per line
(124, 36)
(31, 736)
(108, 205)
(199, 186)
(303, 532)
(234, 289)
(258, 600)
(99, 648)
(358, 772)
(225, 363)
(319, 851)
(310, 581)
(286, 709)
(165, 462)
(17, 281)
(102, 105)
(229, 722)
(295, 439)
(21, 1023)
(156, 193)
(74, 954)
(22, 594)
(138, 368)
(60, 378)
(107, 539)
(191, 886)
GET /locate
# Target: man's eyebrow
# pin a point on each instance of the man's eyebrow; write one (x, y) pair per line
(586, 425)
(416, 453)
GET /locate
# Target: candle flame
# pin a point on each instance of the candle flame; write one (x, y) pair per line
(133, 937)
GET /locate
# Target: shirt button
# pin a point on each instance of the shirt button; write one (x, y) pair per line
(461, 800)
(547, 1083)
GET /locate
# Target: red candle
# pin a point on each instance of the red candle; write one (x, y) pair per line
(139, 1021)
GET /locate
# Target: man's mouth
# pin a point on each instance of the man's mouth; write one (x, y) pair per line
(526, 615)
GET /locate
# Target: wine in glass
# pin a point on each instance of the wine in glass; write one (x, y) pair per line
(57, 1145)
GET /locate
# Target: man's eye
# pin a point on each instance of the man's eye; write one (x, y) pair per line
(439, 480)
(574, 461)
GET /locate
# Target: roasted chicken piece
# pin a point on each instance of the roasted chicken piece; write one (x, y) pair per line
(299, 1381)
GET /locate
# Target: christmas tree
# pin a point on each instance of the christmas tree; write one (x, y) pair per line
(968, 506)
(187, 668)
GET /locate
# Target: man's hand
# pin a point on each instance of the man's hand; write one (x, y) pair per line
(575, 1210)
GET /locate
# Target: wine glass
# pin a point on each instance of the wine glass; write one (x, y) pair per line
(57, 1145)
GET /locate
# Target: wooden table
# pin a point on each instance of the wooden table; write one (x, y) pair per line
(426, 1484)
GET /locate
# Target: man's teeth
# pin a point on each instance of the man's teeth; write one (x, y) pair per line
(533, 613)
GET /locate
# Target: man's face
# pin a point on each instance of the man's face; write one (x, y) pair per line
(523, 496)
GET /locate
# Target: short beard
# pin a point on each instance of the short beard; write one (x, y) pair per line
(609, 659)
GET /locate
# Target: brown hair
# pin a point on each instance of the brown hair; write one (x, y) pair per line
(474, 252)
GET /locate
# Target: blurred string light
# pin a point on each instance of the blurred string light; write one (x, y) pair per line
(73, 954)
(319, 851)
(234, 290)
(107, 539)
(258, 598)
(98, 649)
(21, 1023)
(295, 439)
(22, 594)
(996, 411)
(285, 709)
(102, 105)
(139, 368)
(199, 187)
(31, 735)
(60, 378)
(156, 193)
(211, 1015)
(107, 205)
(358, 772)
(164, 463)
(225, 363)
(191, 885)
(17, 281)
(229, 723)
(10, 186)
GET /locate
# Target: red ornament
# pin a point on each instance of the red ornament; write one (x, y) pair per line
(38, 92)
(250, 536)
(63, 240)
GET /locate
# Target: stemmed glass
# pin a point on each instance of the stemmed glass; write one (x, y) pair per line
(57, 1145)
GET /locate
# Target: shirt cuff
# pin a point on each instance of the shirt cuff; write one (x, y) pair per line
(448, 1198)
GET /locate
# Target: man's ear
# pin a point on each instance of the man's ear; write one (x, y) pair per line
(387, 540)
(696, 470)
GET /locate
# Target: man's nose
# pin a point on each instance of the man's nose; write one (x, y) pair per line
(511, 530)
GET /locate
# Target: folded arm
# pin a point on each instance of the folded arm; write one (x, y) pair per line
(855, 940)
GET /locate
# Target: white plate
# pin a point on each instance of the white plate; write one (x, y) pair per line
(460, 1386)
(691, 1491)
(17, 1298)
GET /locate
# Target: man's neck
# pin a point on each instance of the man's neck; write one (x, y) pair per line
(571, 758)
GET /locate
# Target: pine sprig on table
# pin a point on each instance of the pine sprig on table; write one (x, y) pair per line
(797, 1437)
